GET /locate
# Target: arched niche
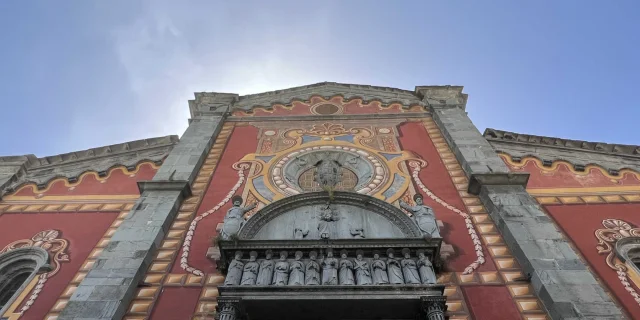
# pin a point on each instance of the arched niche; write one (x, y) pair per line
(354, 211)
(628, 251)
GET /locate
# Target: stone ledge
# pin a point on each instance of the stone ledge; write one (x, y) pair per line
(477, 180)
(164, 185)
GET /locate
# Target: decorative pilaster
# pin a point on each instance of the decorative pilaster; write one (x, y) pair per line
(558, 276)
(433, 308)
(109, 287)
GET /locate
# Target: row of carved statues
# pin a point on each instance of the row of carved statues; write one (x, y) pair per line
(329, 270)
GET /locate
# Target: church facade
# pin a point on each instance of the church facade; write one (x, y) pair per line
(327, 201)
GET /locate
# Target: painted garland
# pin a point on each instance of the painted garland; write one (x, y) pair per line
(416, 166)
(186, 246)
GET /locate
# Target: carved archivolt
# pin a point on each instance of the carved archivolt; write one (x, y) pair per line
(392, 214)
(614, 240)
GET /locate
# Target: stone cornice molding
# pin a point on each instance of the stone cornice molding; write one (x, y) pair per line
(552, 142)
(611, 157)
(215, 102)
(19, 170)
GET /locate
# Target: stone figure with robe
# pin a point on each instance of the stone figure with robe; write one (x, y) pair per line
(425, 267)
(296, 275)
(300, 229)
(312, 270)
(327, 223)
(265, 275)
(250, 272)
(329, 269)
(379, 274)
(281, 274)
(234, 219)
(423, 216)
(345, 274)
(361, 266)
(393, 269)
(234, 272)
(409, 268)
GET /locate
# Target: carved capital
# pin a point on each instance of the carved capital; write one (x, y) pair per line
(228, 309)
(433, 308)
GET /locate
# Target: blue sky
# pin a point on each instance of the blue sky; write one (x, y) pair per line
(82, 74)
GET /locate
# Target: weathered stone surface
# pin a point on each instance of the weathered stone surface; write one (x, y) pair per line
(562, 282)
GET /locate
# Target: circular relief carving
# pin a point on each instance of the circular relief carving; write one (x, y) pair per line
(326, 109)
(308, 184)
(363, 172)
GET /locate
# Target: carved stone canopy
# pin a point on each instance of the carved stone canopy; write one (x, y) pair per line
(349, 215)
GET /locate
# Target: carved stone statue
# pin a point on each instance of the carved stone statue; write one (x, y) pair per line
(266, 270)
(363, 274)
(312, 274)
(234, 219)
(357, 230)
(427, 275)
(409, 268)
(346, 270)
(300, 230)
(393, 269)
(423, 216)
(281, 275)
(328, 173)
(327, 224)
(296, 277)
(329, 269)
(234, 272)
(379, 267)
(250, 274)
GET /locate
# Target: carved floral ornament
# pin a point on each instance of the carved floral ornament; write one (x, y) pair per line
(609, 238)
(50, 241)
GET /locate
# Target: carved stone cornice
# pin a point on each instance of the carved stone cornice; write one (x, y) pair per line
(586, 146)
(18, 170)
(222, 102)
(613, 157)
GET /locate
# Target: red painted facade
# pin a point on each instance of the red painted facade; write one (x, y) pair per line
(82, 215)
(580, 202)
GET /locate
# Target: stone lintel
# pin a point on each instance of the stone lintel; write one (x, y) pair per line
(512, 178)
(165, 185)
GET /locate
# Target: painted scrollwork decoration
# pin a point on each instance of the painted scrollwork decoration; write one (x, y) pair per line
(57, 247)
(614, 231)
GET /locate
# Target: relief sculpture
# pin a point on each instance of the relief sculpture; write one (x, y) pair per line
(312, 274)
(346, 270)
(296, 277)
(329, 269)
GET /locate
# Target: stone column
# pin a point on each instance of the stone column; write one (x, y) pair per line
(107, 290)
(561, 281)
(433, 308)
